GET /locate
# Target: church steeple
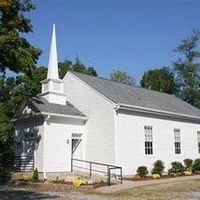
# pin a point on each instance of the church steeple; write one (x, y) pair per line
(53, 60)
(53, 87)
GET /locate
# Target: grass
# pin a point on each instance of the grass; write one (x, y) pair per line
(179, 190)
(187, 189)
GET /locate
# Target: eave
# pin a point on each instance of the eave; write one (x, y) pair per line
(82, 118)
(156, 112)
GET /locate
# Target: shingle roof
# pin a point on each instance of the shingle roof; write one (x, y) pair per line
(42, 105)
(136, 96)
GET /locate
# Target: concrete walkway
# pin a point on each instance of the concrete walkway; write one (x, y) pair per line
(133, 184)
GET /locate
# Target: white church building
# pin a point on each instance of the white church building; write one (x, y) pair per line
(99, 120)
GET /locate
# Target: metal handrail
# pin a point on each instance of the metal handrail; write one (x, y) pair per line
(109, 168)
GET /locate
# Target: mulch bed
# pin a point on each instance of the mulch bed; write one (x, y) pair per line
(147, 178)
(56, 185)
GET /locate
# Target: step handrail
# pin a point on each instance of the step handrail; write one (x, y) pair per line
(109, 168)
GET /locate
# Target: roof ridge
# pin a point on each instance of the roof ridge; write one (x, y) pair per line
(136, 86)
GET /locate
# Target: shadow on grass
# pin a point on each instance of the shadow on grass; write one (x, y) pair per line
(19, 194)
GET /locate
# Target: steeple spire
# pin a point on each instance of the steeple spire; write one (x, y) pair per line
(53, 60)
(53, 87)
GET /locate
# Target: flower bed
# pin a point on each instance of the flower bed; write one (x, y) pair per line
(57, 184)
(190, 167)
(152, 177)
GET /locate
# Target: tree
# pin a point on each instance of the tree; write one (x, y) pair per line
(122, 77)
(16, 53)
(187, 69)
(159, 79)
(91, 71)
(64, 67)
(6, 133)
(81, 68)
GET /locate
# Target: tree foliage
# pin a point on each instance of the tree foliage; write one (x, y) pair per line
(159, 79)
(6, 132)
(187, 69)
(16, 53)
(78, 66)
(122, 77)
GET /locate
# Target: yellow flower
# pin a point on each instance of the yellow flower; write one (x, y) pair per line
(187, 173)
(156, 176)
(78, 182)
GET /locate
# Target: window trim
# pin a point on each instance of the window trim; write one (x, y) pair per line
(177, 141)
(148, 140)
(198, 142)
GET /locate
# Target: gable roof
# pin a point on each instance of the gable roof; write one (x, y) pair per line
(42, 105)
(121, 93)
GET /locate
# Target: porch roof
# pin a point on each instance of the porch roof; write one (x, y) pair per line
(43, 106)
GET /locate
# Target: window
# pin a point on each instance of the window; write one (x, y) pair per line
(148, 140)
(198, 140)
(177, 141)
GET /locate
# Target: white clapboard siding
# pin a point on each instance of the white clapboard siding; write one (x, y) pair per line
(99, 129)
(57, 145)
(23, 130)
(39, 151)
(130, 139)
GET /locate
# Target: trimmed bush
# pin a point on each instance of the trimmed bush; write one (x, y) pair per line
(188, 164)
(35, 176)
(142, 171)
(196, 165)
(158, 167)
(177, 168)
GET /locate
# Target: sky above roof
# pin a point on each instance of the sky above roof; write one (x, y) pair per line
(133, 35)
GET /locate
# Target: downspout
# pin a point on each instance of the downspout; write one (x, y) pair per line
(115, 111)
(117, 106)
(44, 160)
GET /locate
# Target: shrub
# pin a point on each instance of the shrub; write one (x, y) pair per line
(177, 168)
(158, 167)
(187, 173)
(196, 165)
(142, 171)
(188, 164)
(35, 176)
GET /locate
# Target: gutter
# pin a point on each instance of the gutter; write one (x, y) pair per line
(154, 111)
(65, 116)
(26, 116)
(84, 118)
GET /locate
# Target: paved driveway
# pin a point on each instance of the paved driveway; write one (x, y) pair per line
(12, 193)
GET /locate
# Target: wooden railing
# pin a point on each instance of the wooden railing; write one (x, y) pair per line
(91, 168)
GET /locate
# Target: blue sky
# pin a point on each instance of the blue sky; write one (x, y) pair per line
(133, 35)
